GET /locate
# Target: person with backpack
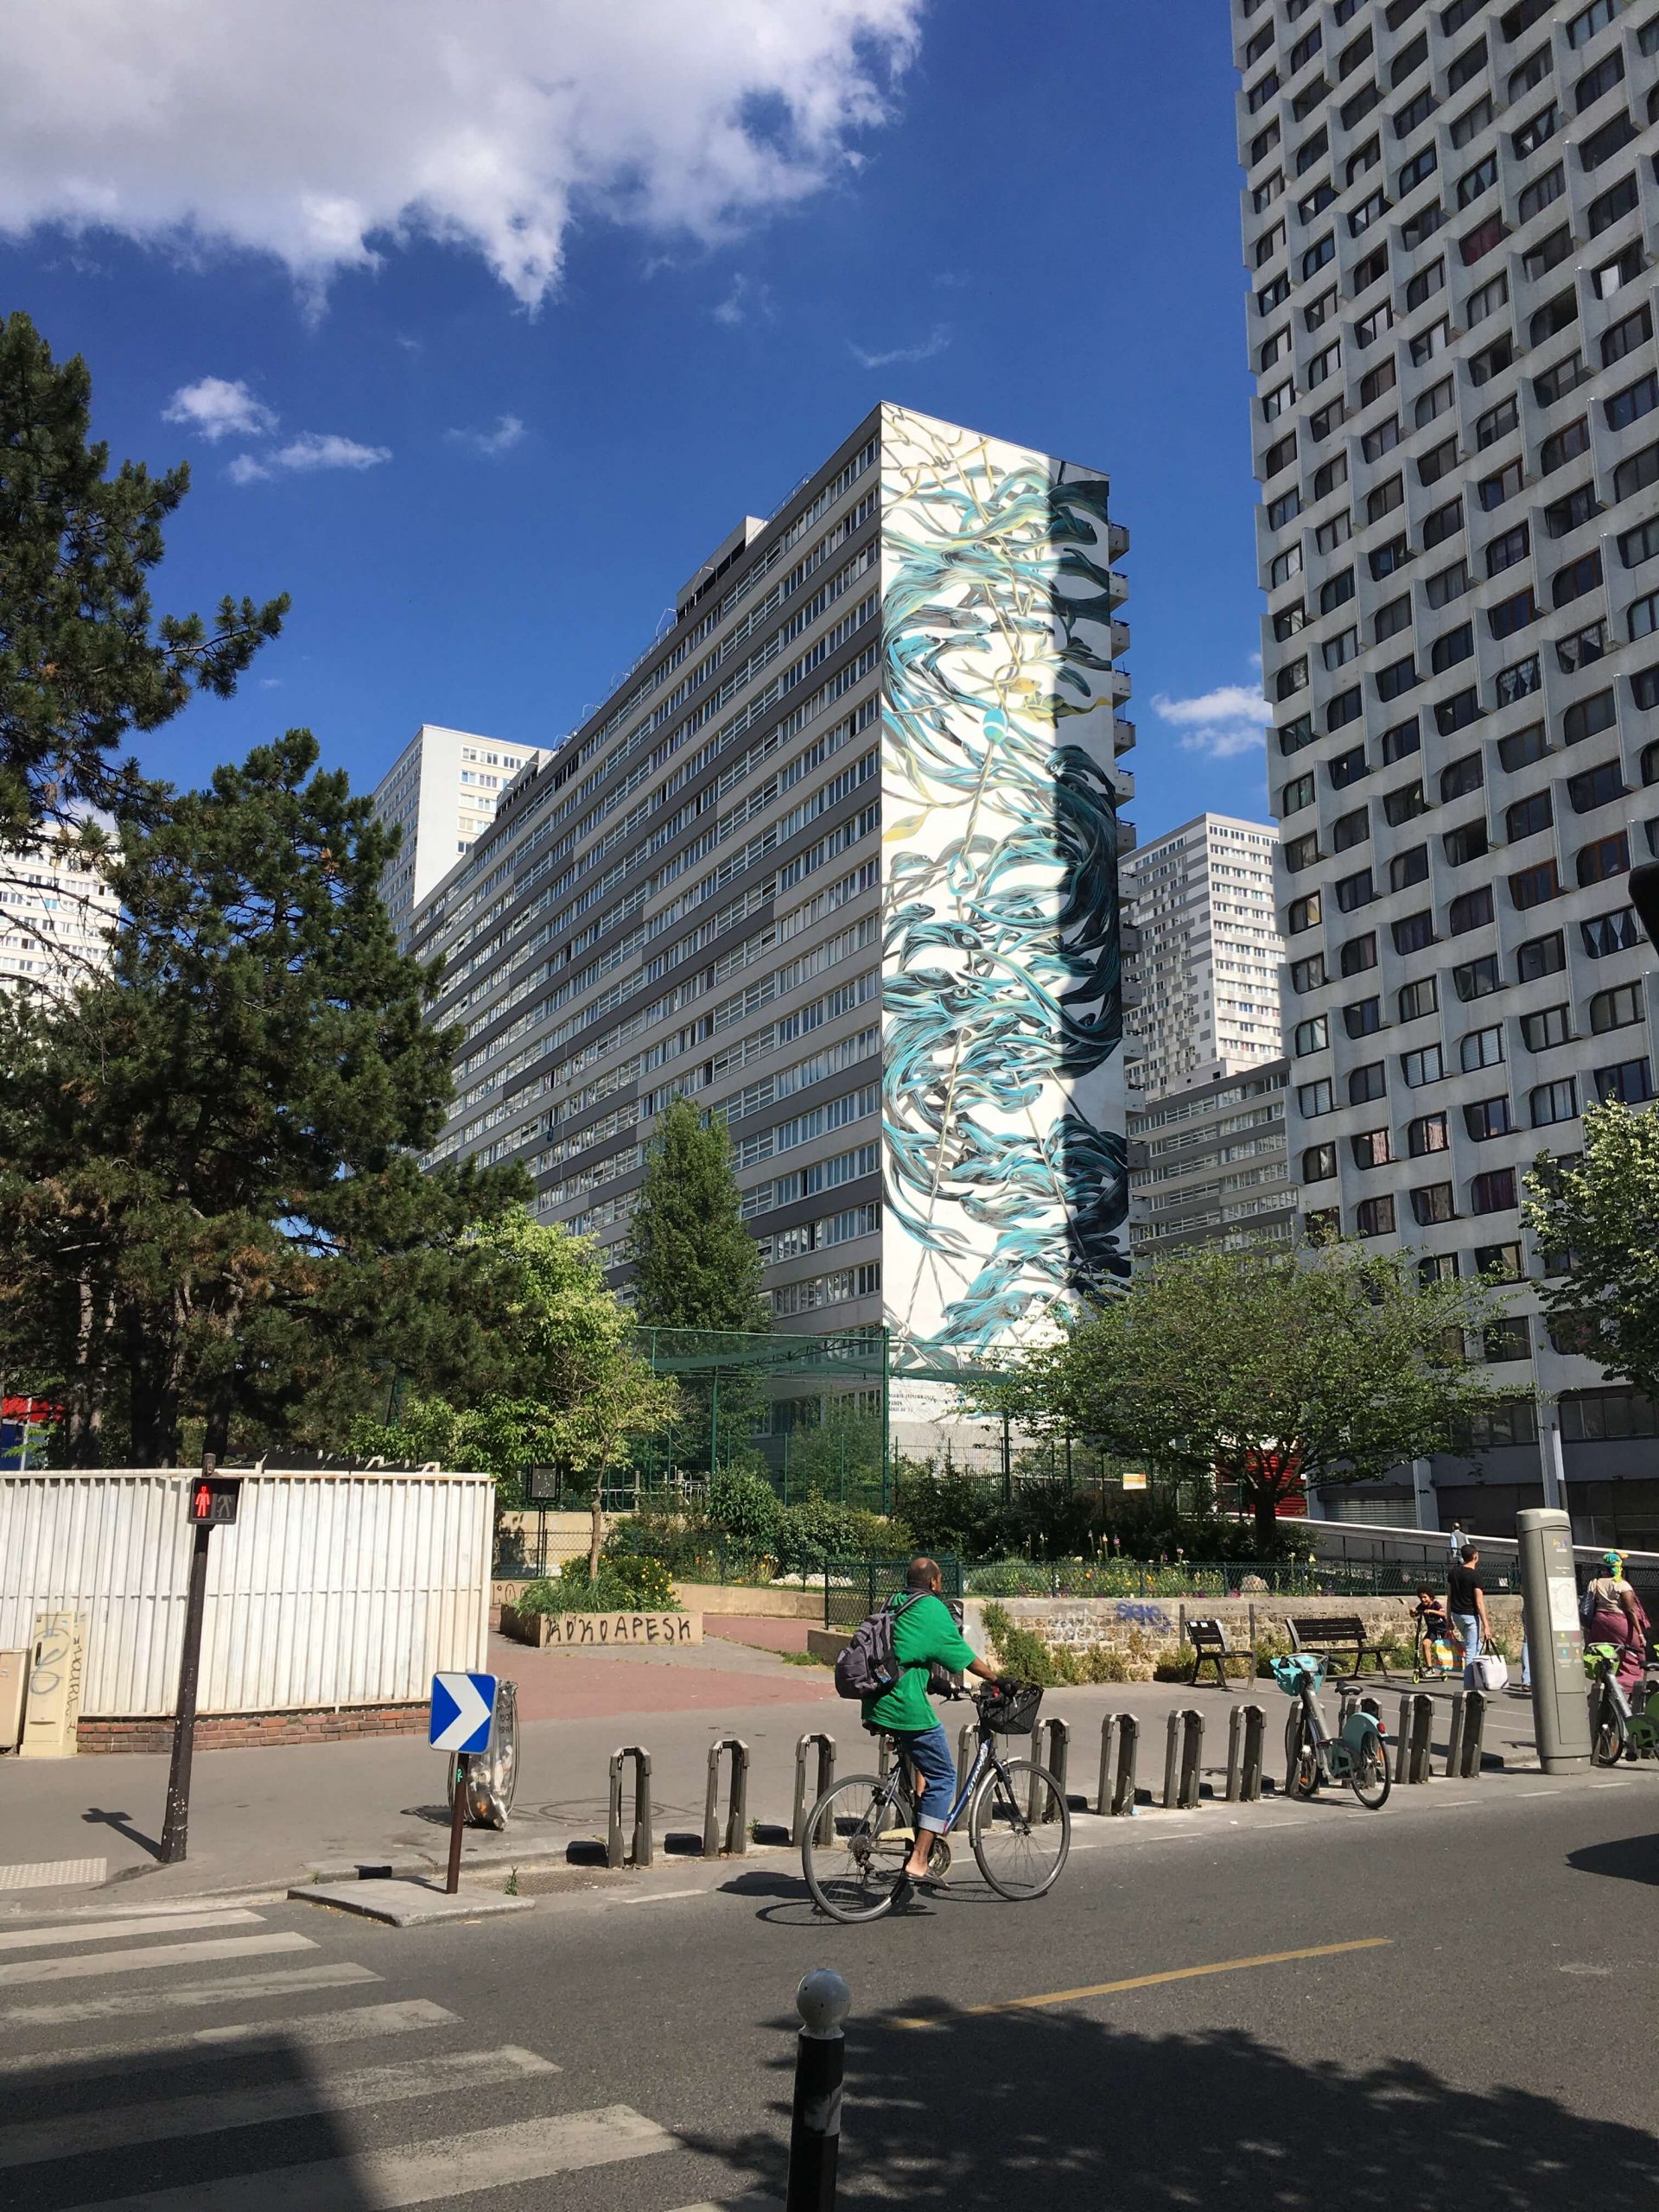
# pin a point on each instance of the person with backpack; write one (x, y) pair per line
(887, 1667)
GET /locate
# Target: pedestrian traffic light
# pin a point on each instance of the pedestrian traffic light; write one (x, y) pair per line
(1644, 896)
(213, 1501)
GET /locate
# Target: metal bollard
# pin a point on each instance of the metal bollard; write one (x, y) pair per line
(967, 1747)
(1057, 1758)
(823, 2001)
(1474, 1732)
(1119, 1733)
(737, 1821)
(638, 1850)
(826, 1748)
(1182, 1760)
(1454, 1741)
(1247, 1731)
(1414, 1755)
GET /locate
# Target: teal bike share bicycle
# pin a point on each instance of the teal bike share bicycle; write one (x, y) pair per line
(1355, 1755)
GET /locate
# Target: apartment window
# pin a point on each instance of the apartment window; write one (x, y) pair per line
(1492, 1191)
(1339, 650)
(1432, 1202)
(1359, 954)
(1635, 400)
(1466, 128)
(1444, 522)
(1313, 1099)
(1478, 979)
(1380, 438)
(1284, 566)
(1630, 1081)
(1640, 544)
(1533, 71)
(1427, 343)
(1369, 211)
(1549, 1102)
(1288, 621)
(1371, 1148)
(1546, 1027)
(1512, 615)
(1367, 1083)
(1601, 145)
(1618, 200)
(1261, 92)
(1521, 747)
(1577, 577)
(1307, 974)
(1318, 1163)
(1481, 1048)
(1559, 313)
(1434, 402)
(1404, 804)
(1283, 510)
(1425, 1064)
(1374, 1217)
(1497, 422)
(1451, 647)
(1609, 933)
(1263, 143)
(1458, 712)
(1417, 999)
(1466, 843)
(1397, 677)
(1327, 477)
(1423, 225)
(1589, 717)
(1583, 26)
(1509, 1339)
(1438, 461)
(1346, 768)
(1426, 1135)
(1471, 909)
(1355, 891)
(1411, 172)
(1274, 403)
(1603, 859)
(1464, 67)
(1533, 134)
(1413, 933)
(1312, 1036)
(1354, 112)
(1504, 551)
(1318, 254)
(1473, 248)
(1555, 382)
(1268, 243)
(1318, 312)
(1567, 514)
(1597, 786)
(1484, 1118)
(1389, 620)
(1344, 708)
(1527, 817)
(1534, 887)
(1386, 559)
(1615, 1010)
(1302, 852)
(1306, 49)
(1540, 957)
(1296, 794)
(1338, 532)
(1540, 194)
(1302, 913)
(1502, 485)
(1364, 1018)
(1371, 271)
(1324, 365)
(1292, 678)
(1547, 254)
(1401, 741)
(1350, 829)
(1415, 112)
(1268, 191)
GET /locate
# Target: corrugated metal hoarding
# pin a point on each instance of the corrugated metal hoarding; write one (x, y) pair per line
(330, 1590)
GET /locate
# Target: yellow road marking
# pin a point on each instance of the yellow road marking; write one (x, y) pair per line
(1145, 1981)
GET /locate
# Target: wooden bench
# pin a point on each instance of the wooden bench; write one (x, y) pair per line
(1208, 1641)
(1333, 1635)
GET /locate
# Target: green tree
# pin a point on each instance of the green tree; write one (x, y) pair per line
(696, 1266)
(209, 1194)
(1334, 1365)
(84, 662)
(1598, 1218)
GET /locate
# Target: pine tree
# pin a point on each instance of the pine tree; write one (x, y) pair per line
(84, 664)
(697, 1266)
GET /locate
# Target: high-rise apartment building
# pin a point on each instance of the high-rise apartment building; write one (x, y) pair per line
(839, 860)
(1203, 958)
(1209, 1165)
(56, 914)
(442, 791)
(1450, 217)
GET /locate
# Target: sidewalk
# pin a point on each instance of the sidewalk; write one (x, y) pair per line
(262, 1819)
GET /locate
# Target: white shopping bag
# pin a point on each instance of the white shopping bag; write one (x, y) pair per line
(1492, 1671)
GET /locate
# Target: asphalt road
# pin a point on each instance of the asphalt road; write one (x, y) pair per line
(1490, 2047)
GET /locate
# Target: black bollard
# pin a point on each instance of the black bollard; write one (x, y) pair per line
(823, 2001)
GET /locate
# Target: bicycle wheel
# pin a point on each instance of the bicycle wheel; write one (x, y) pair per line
(858, 1837)
(1607, 1737)
(1370, 1780)
(1301, 1759)
(1021, 1828)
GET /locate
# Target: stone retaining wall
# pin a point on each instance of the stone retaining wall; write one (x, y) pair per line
(1135, 1624)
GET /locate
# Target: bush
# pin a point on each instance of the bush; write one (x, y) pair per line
(624, 1585)
(1022, 1652)
(743, 1504)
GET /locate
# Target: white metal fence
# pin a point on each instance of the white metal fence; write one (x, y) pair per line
(330, 1590)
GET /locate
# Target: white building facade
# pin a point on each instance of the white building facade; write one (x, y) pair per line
(56, 917)
(441, 792)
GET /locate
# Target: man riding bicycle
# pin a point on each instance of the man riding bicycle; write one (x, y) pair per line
(923, 1635)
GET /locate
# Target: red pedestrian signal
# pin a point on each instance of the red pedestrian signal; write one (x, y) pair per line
(214, 1502)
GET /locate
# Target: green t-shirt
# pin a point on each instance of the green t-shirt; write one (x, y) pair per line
(923, 1632)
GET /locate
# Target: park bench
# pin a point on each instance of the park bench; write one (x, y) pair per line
(1208, 1641)
(1333, 1635)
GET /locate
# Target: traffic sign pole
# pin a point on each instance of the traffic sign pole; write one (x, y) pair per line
(463, 1712)
(175, 1829)
(457, 1820)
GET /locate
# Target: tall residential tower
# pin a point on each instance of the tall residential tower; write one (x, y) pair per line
(442, 791)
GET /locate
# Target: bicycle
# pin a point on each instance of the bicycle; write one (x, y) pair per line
(1618, 1728)
(1355, 1756)
(492, 1775)
(859, 1834)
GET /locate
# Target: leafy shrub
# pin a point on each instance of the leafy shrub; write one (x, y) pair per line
(624, 1585)
(1022, 1652)
(744, 1505)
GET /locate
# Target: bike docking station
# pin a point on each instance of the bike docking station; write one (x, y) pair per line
(638, 1852)
(1182, 1760)
(736, 1841)
(1550, 1592)
(825, 1747)
(1462, 1748)
(462, 1717)
(1247, 1731)
(1119, 1738)
(1413, 1757)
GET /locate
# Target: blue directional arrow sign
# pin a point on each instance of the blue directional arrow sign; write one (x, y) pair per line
(463, 1707)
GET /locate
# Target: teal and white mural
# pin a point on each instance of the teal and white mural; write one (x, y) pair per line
(1002, 1104)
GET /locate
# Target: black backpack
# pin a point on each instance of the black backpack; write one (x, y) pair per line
(870, 1665)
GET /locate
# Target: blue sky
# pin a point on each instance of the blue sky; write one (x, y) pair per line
(482, 463)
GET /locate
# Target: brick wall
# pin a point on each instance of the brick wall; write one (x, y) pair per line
(218, 1732)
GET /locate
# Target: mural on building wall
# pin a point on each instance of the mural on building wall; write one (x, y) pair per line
(1002, 1108)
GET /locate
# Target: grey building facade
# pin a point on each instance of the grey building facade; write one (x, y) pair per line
(1450, 215)
(1209, 1163)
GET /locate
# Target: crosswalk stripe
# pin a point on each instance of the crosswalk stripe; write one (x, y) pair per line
(101, 1931)
(158, 1955)
(116, 2127)
(231, 1989)
(421, 2173)
(313, 2029)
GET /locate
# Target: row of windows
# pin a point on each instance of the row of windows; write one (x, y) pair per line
(1618, 1007)
(1629, 1082)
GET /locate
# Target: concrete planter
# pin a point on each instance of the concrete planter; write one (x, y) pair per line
(595, 1631)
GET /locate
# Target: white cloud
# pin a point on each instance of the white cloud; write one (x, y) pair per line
(747, 302)
(936, 341)
(219, 407)
(312, 449)
(323, 135)
(1223, 724)
(507, 433)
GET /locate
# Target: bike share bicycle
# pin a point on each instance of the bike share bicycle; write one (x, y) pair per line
(858, 1835)
(1356, 1755)
(1622, 1724)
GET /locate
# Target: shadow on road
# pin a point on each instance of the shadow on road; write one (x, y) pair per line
(1628, 1858)
(1051, 2111)
(122, 1824)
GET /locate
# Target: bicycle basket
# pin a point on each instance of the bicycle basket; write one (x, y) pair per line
(1014, 1712)
(1288, 1673)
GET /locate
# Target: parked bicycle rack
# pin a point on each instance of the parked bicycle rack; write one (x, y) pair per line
(1247, 1732)
(1120, 1732)
(826, 1748)
(1182, 1760)
(1057, 1758)
(967, 1749)
(1413, 1757)
(1468, 1731)
(638, 1853)
(737, 1822)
